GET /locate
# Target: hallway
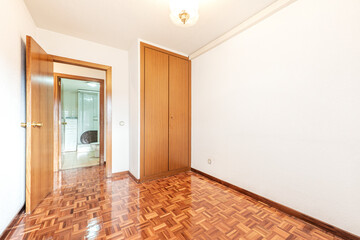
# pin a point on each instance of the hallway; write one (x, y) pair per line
(78, 159)
(86, 205)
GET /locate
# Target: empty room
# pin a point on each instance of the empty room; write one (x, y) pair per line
(180, 119)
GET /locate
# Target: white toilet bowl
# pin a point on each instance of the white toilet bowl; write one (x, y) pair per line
(95, 147)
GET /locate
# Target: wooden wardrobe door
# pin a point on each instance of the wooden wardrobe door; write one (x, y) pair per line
(178, 113)
(156, 112)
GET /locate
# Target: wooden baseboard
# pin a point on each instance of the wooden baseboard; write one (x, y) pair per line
(125, 173)
(120, 174)
(320, 224)
(134, 178)
(164, 174)
(7, 230)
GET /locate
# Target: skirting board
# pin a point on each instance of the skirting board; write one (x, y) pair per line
(125, 173)
(320, 224)
(7, 230)
(164, 175)
(134, 178)
(119, 174)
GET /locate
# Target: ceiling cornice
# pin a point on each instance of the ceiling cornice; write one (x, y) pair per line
(266, 12)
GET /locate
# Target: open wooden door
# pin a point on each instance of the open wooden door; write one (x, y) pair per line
(39, 126)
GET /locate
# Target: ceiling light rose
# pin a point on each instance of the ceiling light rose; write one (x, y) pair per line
(184, 12)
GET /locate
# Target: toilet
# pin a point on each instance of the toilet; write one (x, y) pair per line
(95, 147)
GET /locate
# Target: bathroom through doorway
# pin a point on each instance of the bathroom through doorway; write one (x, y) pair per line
(81, 116)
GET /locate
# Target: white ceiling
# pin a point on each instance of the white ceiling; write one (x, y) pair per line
(118, 23)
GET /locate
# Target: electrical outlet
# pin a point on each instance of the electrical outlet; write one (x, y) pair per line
(209, 161)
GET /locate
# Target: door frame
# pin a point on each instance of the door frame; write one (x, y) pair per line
(107, 111)
(58, 118)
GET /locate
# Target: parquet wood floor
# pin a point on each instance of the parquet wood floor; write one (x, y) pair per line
(86, 205)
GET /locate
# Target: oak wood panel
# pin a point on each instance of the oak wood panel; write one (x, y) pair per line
(143, 176)
(142, 111)
(120, 174)
(164, 174)
(102, 123)
(156, 112)
(80, 63)
(108, 103)
(39, 109)
(178, 113)
(145, 45)
(79, 78)
(108, 143)
(189, 113)
(133, 177)
(57, 111)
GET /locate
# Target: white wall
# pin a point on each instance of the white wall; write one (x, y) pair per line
(79, 71)
(15, 24)
(277, 108)
(69, 102)
(66, 46)
(134, 91)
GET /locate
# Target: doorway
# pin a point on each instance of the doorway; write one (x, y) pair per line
(43, 123)
(106, 148)
(81, 113)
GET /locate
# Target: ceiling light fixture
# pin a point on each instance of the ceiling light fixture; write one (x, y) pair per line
(92, 84)
(184, 12)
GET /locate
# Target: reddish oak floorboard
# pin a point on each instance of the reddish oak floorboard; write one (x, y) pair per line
(87, 205)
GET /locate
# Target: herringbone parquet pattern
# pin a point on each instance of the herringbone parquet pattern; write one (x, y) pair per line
(86, 205)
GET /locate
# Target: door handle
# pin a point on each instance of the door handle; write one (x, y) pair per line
(34, 124)
(64, 123)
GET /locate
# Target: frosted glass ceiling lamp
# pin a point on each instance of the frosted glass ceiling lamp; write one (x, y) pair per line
(92, 84)
(184, 13)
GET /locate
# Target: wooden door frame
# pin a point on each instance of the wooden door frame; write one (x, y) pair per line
(58, 118)
(142, 112)
(107, 111)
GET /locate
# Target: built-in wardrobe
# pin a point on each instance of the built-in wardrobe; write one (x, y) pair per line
(165, 103)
